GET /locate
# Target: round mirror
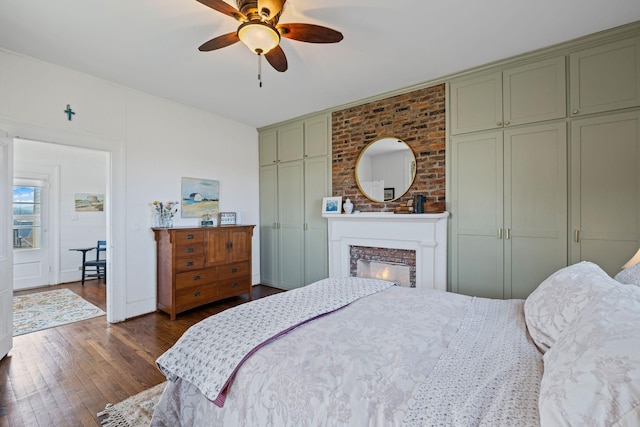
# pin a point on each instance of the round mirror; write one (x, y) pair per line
(385, 169)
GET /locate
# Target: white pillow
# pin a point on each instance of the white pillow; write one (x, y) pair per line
(592, 372)
(560, 298)
(630, 276)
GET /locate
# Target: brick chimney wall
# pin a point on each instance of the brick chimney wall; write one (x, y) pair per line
(418, 118)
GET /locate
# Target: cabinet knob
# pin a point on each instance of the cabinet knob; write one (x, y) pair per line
(275, 161)
(234, 285)
(499, 124)
(576, 111)
(234, 270)
(196, 294)
(189, 250)
(189, 263)
(189, 236)
(196, 277)
(507, 123)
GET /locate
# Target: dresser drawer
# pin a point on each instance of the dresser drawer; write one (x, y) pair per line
(190, 250)
(188, 237)
(232, 287)
(234, 270)
(191, 263)
(195, 295)
(195, 277)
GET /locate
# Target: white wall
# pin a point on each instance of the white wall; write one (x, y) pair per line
(150, 143)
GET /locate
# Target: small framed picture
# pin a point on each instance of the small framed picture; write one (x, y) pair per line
(389, 193)
(227, 218)
(332, 205)
(410, 202)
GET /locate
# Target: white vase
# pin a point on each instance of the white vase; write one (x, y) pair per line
(348, 206)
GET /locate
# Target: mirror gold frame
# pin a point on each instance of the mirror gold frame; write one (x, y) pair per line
(385, 169)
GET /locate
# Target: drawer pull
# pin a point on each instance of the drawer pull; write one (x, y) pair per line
(234, 270)
(189, 263)
(234, 285)
(196, 294)
(190, 236)
(196, 277)
(189, 250)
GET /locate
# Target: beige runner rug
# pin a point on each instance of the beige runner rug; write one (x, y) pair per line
(135, 411)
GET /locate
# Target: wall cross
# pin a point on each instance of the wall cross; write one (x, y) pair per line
(69, 112)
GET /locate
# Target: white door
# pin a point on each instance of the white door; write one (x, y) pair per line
(6, 252)
(30, 233)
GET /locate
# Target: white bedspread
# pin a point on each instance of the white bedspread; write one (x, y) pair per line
(359, 366)
(489, 375)
(209, 353)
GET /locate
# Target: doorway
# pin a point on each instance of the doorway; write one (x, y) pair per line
(50, 178)
(31, 233)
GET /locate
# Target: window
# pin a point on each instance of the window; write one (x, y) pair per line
(27, 217)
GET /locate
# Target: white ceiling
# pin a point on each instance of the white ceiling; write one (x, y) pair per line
(151, 45)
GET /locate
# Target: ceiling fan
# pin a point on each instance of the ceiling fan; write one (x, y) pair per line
(260, 31)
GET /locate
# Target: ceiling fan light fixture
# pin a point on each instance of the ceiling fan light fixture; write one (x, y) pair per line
(259, 37)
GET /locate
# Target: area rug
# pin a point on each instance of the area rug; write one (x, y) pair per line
(135, 411)
(43, 310)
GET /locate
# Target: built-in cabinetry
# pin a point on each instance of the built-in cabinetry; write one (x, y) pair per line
(525, 94)
(196, 266)
(544, 173)
(605, 189)
(295, 171)
(605, 78)
(511, 209)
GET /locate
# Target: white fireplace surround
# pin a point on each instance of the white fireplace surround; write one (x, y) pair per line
(426, 234)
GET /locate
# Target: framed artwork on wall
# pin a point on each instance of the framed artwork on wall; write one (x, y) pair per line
(200, 197)
(89, 202)
(389, 193)
(332, 205)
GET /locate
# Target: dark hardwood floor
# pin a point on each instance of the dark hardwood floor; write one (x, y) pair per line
(64, 376)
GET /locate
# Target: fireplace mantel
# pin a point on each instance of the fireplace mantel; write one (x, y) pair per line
(426, 234)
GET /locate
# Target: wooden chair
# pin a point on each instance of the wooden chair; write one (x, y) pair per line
(98, 267)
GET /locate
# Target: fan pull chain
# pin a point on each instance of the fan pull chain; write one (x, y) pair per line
(260, 69)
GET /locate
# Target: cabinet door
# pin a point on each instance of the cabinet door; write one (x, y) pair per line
(316, 136)
(534, 92)
(476, 104)
(606, 78)
(535, 206)
(269, 225)
(240, 244)
(316, 186)
(291, 212)
(605, 189)
(476, 217)
(268, 146)
(291, 142)
(216, 241)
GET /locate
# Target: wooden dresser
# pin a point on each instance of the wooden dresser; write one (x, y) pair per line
(197, 266)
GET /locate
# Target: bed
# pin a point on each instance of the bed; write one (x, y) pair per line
(363, 352)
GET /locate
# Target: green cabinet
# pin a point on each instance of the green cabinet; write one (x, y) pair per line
(295, 175)
(524, 94)
(509, 210)
(605, 78)
(605, 189)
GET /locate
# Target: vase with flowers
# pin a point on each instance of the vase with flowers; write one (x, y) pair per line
(164, 212)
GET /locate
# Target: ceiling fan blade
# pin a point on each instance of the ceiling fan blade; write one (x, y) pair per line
(224, 7)
(277, 59)
(309, 33)
(270, 8)
(219, 42)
